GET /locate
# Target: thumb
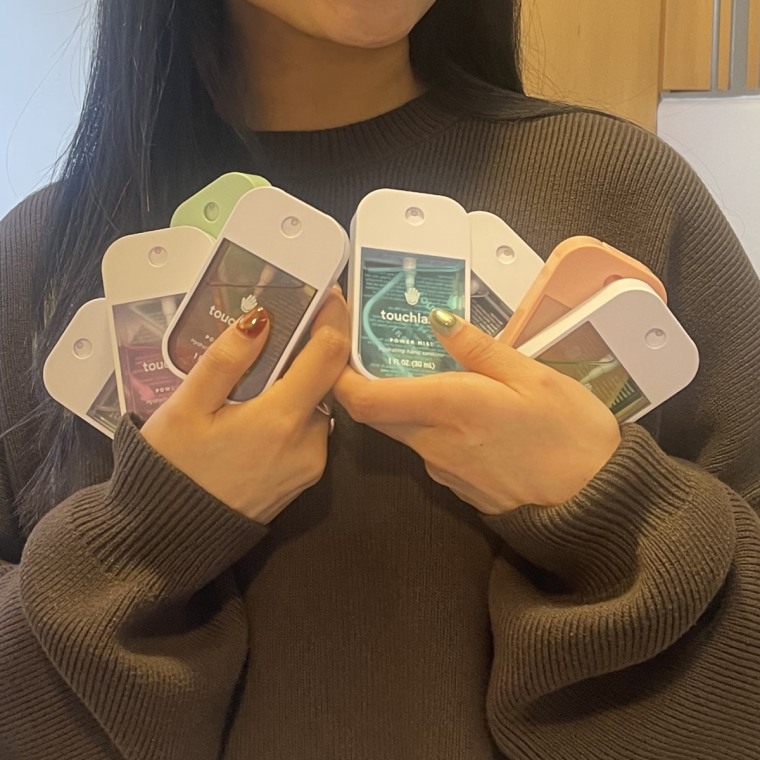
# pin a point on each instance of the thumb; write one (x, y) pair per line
(224, 362)
(478, 352)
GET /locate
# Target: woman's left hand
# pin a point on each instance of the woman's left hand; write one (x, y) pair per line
(506, 431)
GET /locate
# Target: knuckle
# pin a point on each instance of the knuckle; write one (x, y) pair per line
(548, 379)
(479, 350)
(284, 428)
(334, 344)
(219, 360)
(435, 474)
(361, 406)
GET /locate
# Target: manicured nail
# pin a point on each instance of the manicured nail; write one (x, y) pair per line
(444, 322)
(254, 322)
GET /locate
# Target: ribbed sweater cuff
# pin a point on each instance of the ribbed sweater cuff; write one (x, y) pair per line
(644, 512)
(153, 517)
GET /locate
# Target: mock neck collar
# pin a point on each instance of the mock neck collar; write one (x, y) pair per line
(294, 154)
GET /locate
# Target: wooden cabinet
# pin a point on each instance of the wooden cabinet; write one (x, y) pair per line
(711, 45)
(603, 53)
(620, 55)
(687, 44)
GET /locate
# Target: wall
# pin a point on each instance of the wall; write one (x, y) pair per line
(720, 137)
(42, 68)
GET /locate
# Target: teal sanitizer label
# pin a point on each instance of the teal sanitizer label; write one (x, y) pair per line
(398, 291)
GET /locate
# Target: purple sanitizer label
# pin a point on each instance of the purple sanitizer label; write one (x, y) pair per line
(140, 328)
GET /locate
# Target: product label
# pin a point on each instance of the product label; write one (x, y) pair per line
(547, 312)
(140, 328)
(586, 357)
(105, 408)
(398, 291)
(487, 311)
(236, 282)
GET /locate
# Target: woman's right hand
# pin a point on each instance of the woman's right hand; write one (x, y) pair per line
(258, 456)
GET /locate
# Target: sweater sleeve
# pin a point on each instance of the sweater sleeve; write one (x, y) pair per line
(122, 630)
(626, 621)
(123, 619)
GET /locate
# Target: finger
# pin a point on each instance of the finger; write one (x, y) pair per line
(455, 485)
(225, 361)
(436, 475)
(422, 401)
(316, 368)
(378, 402)
(478, 352)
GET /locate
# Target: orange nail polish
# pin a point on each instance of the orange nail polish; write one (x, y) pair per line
(254, 322)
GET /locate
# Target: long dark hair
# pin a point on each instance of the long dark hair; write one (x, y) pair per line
(146, 138)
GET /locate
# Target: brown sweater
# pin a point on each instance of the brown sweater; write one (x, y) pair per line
(380, 617)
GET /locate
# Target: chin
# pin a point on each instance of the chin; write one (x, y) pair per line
(373, 26)
(369, 40)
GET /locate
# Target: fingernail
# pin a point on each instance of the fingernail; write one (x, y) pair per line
(337, 287)
(254, 322)
(444, 322)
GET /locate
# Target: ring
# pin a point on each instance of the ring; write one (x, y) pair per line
(324, 408)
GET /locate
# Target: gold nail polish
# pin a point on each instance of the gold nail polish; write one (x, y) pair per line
(254, 322)
(444, 322)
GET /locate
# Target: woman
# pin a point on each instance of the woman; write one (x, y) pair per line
(484, 565)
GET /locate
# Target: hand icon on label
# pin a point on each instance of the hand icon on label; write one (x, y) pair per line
(412, 296)
(249, 303)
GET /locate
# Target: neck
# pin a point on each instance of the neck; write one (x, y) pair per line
(294, 82)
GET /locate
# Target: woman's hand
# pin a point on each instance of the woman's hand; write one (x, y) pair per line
(257, 456)
(506, 432)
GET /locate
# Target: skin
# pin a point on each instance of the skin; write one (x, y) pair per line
(218, 445)
(315, 64)
(506, 432)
